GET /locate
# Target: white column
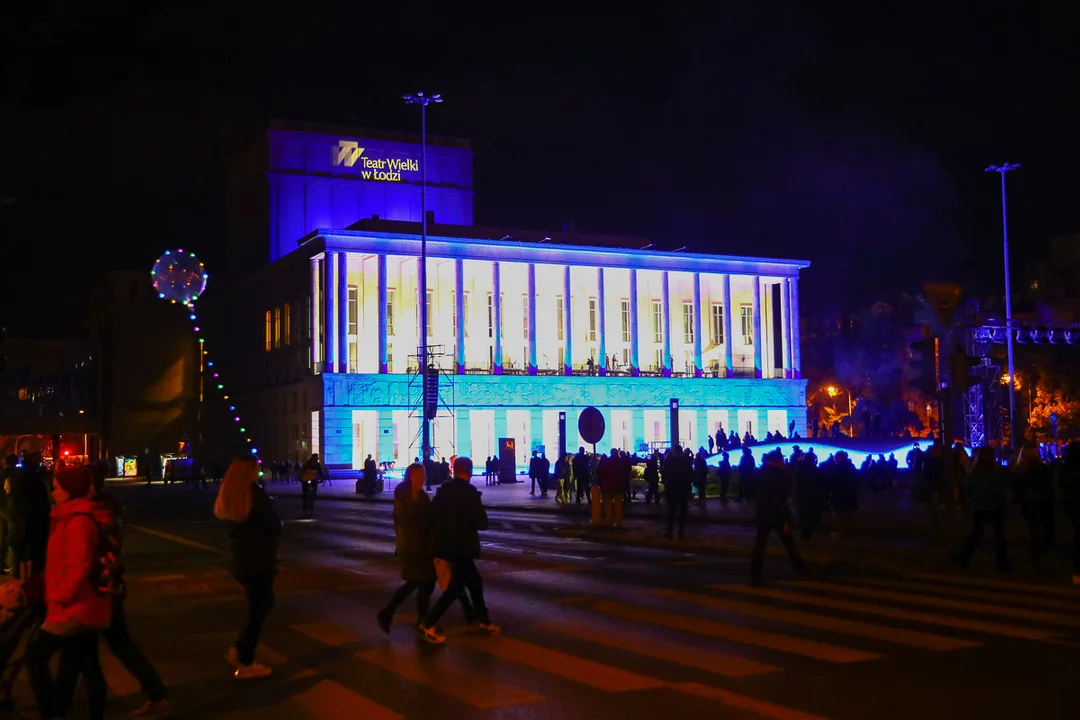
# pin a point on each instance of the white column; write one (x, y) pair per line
(601, 309)
(329, 306)
(459, 310)
(343, 311)
(496, 299)
(383, 344)
(568, 330)
(667, 323)
(635, 364)
(532, 318)
(785, 326)
(793, 307)
(729, 350)
(698, 369)
(757, 327)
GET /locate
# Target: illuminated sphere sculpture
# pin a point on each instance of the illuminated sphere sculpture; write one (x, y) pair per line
(179, 277)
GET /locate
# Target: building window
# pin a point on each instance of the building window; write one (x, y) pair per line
(502, 314)
(747, 324)
(430, 313)
(269, 330)
(717, 324)
(625, 317)
(688, 322)
(592, 319)
(354, 310)
(453, 312)
(277, 328)
(287, 332)
(491, 316)
(560, 318)
(525, 316)
(657, 321)
(658, 359)
(391, 295)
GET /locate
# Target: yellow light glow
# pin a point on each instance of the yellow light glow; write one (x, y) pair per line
(833, 392)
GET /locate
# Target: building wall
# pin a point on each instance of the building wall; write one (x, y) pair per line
(377, 412)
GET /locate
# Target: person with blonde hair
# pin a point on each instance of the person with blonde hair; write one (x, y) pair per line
(413, 545)
(254, 527)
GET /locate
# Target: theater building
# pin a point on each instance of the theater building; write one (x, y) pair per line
(321, 341)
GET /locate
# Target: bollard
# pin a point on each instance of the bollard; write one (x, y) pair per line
(617, 519)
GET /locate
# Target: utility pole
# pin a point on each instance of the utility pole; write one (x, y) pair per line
(425, 425)
(1001, 170)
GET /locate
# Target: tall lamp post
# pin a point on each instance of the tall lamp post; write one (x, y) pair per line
(425, 425)
(1002, 169)
(833, 391)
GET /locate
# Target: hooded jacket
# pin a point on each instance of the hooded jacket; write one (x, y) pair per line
(70, 597)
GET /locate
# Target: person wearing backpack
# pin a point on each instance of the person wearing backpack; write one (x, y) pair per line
(76, 611)
(254, 528)
(111, 582)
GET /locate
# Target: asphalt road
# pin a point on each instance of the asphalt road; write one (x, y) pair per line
(590, 630)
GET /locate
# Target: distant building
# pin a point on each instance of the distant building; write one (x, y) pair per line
(319, 345)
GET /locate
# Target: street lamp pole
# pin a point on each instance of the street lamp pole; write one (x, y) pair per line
(1001, 170)
(425, 432)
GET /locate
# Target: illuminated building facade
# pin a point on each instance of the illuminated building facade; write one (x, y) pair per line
(522, 325)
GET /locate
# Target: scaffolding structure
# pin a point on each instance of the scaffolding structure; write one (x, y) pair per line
(440, 364)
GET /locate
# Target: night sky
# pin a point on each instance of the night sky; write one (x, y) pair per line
(849, 135)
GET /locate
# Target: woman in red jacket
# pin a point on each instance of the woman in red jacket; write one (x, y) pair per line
(75, 609)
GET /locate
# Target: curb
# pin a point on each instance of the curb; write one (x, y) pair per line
(572, 511)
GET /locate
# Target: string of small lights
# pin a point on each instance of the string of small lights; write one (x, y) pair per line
(180, 278)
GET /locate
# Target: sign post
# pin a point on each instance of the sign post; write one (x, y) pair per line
(591, 426)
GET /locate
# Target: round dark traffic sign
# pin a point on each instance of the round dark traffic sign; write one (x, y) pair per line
(590, 425)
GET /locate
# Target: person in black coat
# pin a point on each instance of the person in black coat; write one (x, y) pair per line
(457, 517)
(701, 476)
(773, 515)
(678, 474)
(30, 507)
(254, 528)
(582, 475)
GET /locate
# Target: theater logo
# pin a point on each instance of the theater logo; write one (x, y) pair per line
(350, 154)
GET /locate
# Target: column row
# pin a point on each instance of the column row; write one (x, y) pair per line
(530, 319)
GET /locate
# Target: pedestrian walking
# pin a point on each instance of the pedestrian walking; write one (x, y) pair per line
(701, 476)
(652, 479)
(75, 610)
(773, 515)
(117, 636)
(986, 484)
(254, 528)
(582, 469)
(310, 476)
(1033, 490)
(678, 474)
(1069, 482)
(413, 545)
(458, 516)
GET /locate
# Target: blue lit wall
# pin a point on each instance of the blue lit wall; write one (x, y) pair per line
(344, 393)
(318, 180)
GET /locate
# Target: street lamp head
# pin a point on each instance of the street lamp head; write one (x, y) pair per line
(1003, 168)
(833, 392)
(421, 99)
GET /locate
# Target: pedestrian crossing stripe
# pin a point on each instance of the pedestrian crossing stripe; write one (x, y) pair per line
(1026, 588)
(1050, 603)
(570, 667)
(939, 602)
(736, 633)
(884, 633)
(892, 612)
(446, 678)
(330, 699)
(675, 653)
(758, 707)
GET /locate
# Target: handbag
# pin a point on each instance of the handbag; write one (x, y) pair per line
(443, 573)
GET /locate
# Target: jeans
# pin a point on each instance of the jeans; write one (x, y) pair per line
(464, 577)
(307, 493)
(782, 527)
(676, 506)
(809, 518)
(259, 591)
(118, 638)
(1039, 515)
(82, 650)
(423, 592)
(980, 520)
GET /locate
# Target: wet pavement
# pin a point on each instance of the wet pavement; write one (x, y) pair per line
(597, 623)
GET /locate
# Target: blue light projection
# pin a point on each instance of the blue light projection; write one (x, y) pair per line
(829, 446)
